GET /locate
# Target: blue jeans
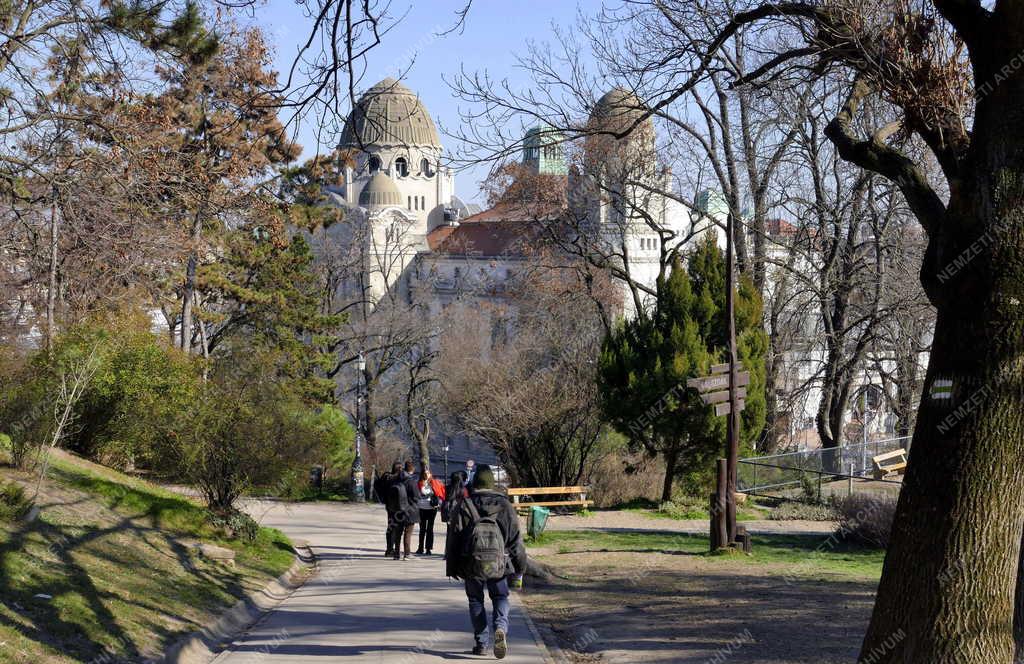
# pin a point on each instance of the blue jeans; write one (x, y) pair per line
(498, 591)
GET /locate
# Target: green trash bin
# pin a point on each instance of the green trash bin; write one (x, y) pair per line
(538, 520)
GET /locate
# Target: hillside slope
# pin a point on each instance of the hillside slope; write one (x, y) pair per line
(108, 572)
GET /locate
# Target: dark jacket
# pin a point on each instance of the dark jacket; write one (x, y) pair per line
(410, 512)
(381, 488)
(488, 503)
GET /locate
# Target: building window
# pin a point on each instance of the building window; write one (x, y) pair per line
(423, 202)
(426, 168)
(408, 202)
(401, 167)
(374, 164)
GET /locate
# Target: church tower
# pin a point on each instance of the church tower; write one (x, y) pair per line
(390, 132)
(542, 151)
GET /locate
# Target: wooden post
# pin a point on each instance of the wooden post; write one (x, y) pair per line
(733, 422)
(719, 509)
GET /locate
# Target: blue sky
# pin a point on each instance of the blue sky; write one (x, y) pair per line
(494, 34)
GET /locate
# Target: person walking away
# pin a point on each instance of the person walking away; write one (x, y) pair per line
(405, 496)
(431, 495)
(383, 490)
(487, 553)
(457, 488)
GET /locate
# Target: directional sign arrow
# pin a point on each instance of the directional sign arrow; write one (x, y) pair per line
(719, 397)
(725, 409)
(718, 382)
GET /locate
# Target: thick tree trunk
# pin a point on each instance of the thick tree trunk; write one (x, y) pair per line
(671, 458)
(949, 576)
(947, 593)
(423, 441)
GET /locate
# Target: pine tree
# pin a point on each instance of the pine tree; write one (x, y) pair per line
(646, 362)
(263, 296)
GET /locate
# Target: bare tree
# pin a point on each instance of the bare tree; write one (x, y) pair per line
(520, 374)
(948, 70)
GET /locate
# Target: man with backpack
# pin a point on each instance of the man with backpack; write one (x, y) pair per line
(383, 490)
(403, 497)
(485, 549)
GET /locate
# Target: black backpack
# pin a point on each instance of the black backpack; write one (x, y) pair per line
(397, 501)
(484, 555)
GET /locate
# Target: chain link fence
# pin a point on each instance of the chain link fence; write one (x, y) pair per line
(846, 469)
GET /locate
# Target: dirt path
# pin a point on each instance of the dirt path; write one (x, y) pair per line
(641, 607)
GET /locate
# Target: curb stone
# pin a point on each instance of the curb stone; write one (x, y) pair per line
(552, 654)
(204, 646)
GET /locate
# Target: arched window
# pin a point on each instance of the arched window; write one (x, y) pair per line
(423, 202)
(401, 167)
(374, 164)
(408, 202)
(426, 168)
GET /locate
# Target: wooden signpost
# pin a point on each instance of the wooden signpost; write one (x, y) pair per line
(727, 376)
(715, 391)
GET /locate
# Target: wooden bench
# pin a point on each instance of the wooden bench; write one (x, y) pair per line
(579, 501)
(890, 463)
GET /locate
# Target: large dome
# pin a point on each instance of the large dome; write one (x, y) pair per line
(389, 114)
(618, 110)
(380, 191)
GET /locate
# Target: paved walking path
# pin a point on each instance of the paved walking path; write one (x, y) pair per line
(361, 606)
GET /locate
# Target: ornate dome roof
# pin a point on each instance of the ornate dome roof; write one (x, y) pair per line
(380, 191)
(389, 114)
(618, 110)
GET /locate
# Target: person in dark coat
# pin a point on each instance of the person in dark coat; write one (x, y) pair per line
(488, 502)
(383, 489)
(404, 496)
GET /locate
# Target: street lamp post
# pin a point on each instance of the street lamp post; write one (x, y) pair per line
(358, 488)
(446, 448)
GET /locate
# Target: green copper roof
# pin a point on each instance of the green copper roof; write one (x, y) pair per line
(542, 151)
(389, 114)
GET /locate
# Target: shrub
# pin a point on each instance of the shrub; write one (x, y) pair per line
(685, 507)
(809, 489)
(235, 524)
(136, 385)
(13, 502)
(623, 478)
(246, 430)
(800, 511)
(866, 518)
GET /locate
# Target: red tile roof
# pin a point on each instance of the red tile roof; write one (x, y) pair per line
(485, 238)
(779, 227)
(507, 229)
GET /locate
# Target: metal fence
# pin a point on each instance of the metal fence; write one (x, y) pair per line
(850, 465)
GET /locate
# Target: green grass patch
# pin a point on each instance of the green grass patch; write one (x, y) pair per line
(783, 555)
(689, 509)
(114, 554)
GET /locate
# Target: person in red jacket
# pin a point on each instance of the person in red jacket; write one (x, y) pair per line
(431, 496)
